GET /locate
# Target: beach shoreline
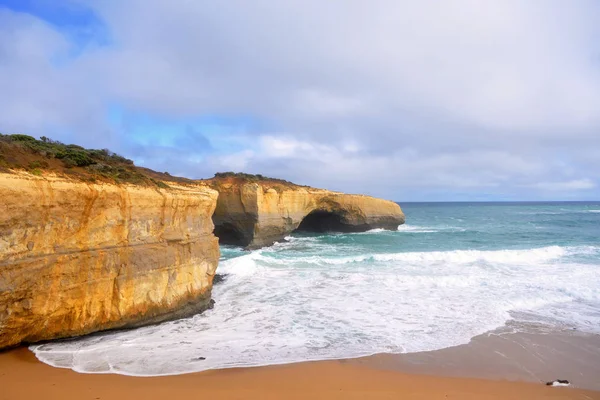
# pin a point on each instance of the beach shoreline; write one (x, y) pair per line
(533, 354)
(472, 371)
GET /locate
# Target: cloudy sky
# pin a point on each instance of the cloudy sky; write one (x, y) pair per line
(428, 100)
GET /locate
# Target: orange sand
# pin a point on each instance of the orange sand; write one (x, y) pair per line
(23, 377)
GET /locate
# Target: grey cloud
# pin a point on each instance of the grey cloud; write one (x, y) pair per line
(497, 96)
(502, 65)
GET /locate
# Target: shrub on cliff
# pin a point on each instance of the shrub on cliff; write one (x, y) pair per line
(244, 176)
(251, 178)
(73, 157)
(17, 151)
(23, 138)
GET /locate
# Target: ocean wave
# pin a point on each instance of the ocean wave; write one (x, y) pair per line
(430, 229)
(471, 256)
(514, 257)
(376, 230)
(416, 229)
(543, 212)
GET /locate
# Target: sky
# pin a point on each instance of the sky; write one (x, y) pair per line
(461, 100)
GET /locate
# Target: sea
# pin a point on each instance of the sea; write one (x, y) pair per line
(452, 272)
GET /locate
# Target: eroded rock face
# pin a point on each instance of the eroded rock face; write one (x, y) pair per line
(254, 215)
(77, 258)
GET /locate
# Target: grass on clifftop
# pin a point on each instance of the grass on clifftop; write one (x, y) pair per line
(23, 152)
(242, 177)
(249, 177)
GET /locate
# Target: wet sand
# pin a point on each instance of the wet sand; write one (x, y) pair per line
(23, 377)
(537, 356)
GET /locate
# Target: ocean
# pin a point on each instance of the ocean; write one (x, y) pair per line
(452, 272)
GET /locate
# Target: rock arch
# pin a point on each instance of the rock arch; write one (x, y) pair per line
(329, 220)
(322, 221)
(254, 215)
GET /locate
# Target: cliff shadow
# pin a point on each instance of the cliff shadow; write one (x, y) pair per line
(320, 221)
(229, 234)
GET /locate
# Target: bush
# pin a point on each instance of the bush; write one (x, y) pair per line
(117, 158)
(22, 138)
(38, 164)
(247, 177)
(118, 173)
(73, 157)
(160, 184)
(102, 155)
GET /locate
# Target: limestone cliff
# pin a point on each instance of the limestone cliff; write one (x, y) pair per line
(79, 257)
(259, 213)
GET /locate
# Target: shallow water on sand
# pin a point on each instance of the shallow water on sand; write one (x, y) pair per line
(453, 272)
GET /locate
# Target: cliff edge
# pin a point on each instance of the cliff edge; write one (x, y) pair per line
(254, 213)
(78, 257)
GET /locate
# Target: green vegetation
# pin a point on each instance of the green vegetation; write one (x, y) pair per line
(277, 184)
(248, 177)
(160, 184)
(26, 152)
(71, 154)
(239, 175)
(22, 138)
(38, 164)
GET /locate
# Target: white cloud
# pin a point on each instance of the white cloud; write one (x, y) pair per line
(577, 184)
(41, 91)
(237, 162)
(408, 171)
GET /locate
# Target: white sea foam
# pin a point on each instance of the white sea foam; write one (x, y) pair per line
(420, 229)
(429, 229)
(517, 257)
(278, 307)
(593, 211)
(376, 230)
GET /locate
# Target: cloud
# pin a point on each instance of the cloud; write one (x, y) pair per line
(42, 92)
(406, 172)
(430, 98)
(498, 65)
(577, 184)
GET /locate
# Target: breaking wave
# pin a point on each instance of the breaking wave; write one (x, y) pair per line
(277, 307)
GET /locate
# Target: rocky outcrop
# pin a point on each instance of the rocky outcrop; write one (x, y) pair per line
(257, 214)
(78, 257)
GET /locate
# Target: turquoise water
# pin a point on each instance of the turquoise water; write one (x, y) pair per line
(453, 271)
(476, 226)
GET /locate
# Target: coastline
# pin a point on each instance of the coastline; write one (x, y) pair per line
(497, 365)
(529, 354)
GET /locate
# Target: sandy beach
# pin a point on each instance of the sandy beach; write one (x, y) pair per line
(536, 356)
(411, 376)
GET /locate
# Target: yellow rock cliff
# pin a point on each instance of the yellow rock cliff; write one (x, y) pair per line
(77, 257)
(257, 214)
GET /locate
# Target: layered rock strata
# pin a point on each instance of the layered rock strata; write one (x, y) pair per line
(257, 214)
(78, 257)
